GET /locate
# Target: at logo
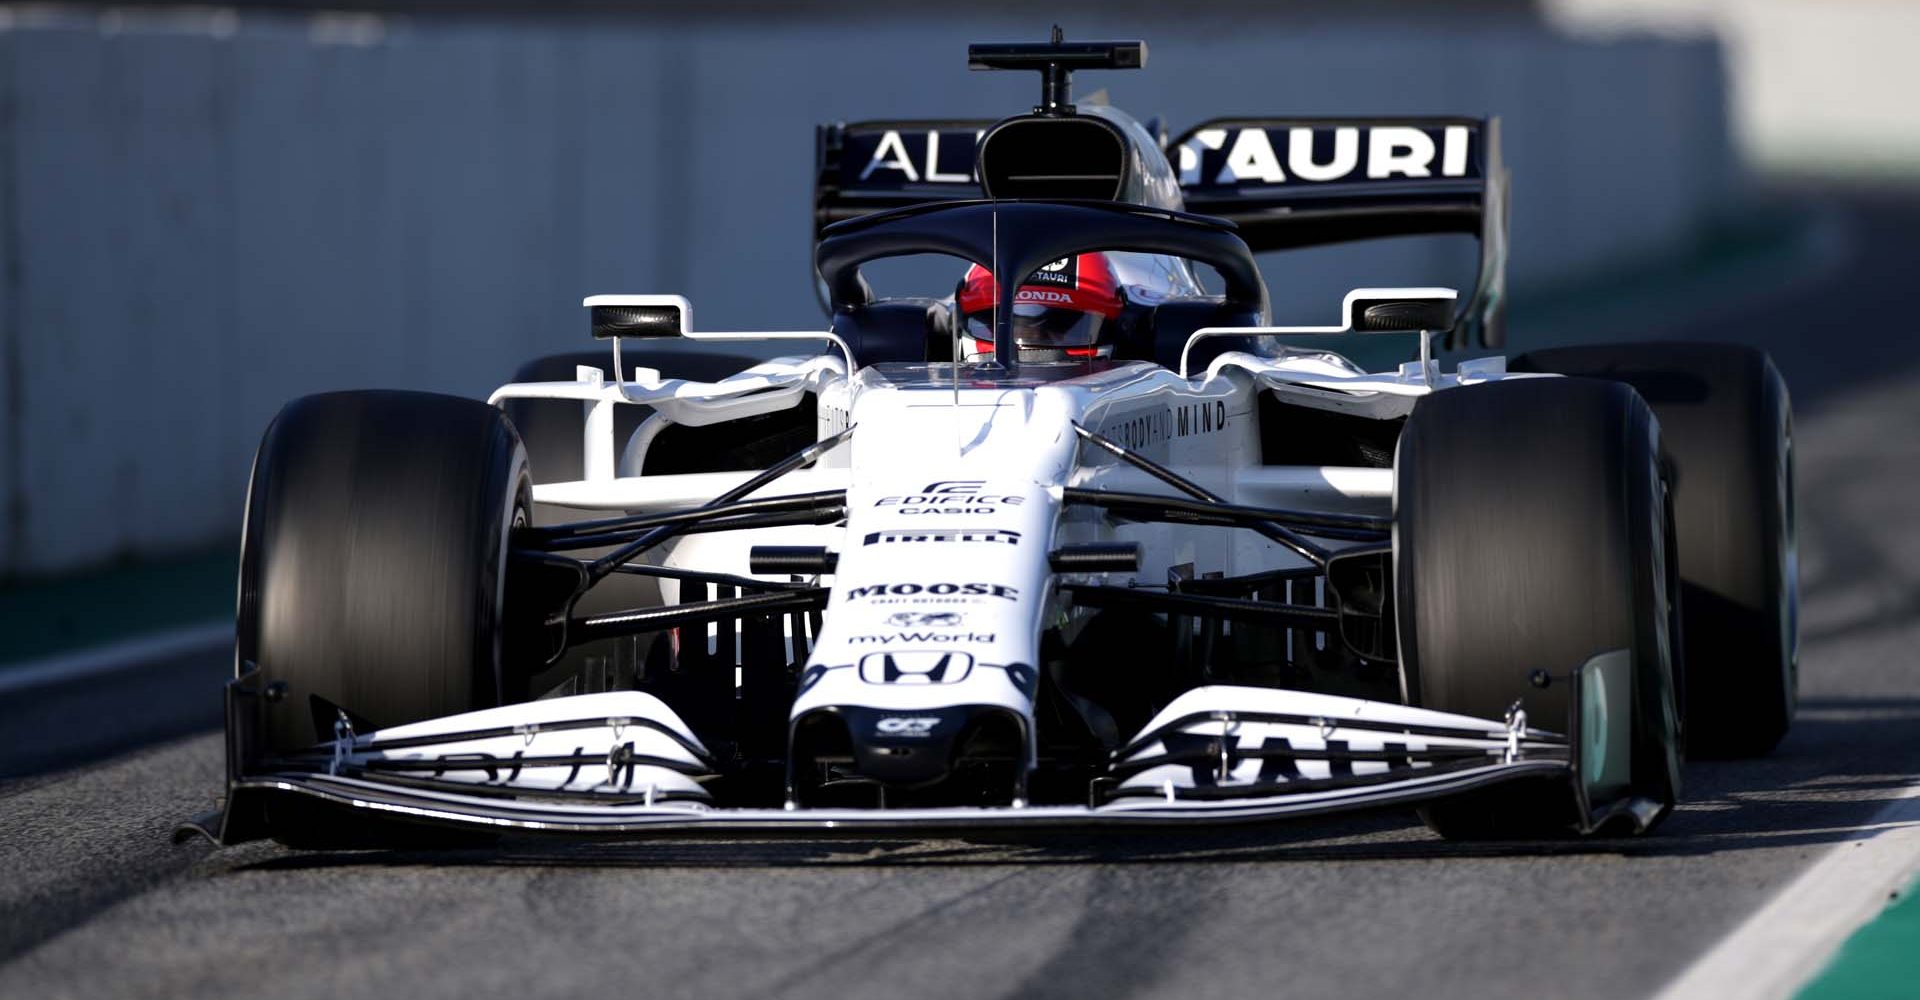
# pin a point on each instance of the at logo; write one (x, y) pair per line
(915, 668)
(1062, 273)
(898, 725)
(953, 486)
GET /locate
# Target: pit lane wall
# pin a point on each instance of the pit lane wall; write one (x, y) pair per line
(203, 213)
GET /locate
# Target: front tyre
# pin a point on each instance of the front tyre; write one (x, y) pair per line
(373, 561)
(1530, 528)
(1727, 424)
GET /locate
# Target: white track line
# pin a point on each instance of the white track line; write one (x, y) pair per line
(1790, 939)
(211, 637)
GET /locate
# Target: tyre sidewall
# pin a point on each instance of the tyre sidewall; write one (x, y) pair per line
(373, 560)
(1530, 536)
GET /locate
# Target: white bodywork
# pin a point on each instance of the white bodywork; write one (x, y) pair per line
(955, 479)
(954, 476)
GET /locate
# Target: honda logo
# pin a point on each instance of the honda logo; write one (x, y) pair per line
(915, 668)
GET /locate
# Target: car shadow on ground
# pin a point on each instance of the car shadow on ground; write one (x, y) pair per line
(1844, 761)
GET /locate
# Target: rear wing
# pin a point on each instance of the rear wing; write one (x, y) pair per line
(1300, 182)
(1286, 182)
(868, 167)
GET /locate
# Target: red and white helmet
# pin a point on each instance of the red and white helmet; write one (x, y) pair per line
(1064, 310)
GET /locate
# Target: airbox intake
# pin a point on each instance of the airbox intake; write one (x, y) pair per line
(1053, 157)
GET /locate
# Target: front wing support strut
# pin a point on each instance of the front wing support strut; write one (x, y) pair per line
(1349, 527)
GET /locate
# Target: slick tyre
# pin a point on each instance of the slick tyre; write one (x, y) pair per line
(1727, 424)
(373, 561)
(1530, 535)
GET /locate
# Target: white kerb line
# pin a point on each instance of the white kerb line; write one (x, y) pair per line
(1786, 942)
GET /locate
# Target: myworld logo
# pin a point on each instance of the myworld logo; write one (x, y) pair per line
(921, 638)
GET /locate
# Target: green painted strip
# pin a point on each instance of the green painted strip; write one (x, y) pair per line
(1880, 960)
(46, 617)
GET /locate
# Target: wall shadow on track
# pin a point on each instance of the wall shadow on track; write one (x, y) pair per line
(1806, 795)
(60, 726)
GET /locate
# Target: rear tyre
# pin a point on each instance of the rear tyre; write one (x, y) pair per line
(1727, 424)
(1530, 535)
(373, 561)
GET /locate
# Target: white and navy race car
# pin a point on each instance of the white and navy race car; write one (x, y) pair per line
(1090, 547)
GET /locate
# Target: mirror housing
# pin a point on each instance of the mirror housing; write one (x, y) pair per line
(641, 317)
(1425, 311)
(664, 317)
(1400, 310)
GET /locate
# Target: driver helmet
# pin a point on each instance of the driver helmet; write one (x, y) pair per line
(1066, 311)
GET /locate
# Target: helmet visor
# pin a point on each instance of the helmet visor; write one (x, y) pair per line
(1042, 326)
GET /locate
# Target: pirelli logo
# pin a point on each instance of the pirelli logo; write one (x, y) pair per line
(999, 536)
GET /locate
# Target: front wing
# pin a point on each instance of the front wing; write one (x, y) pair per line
(623, 764)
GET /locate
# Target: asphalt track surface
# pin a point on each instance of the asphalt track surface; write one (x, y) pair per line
(94, 900)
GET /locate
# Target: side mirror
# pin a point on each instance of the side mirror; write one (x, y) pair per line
(663, 317)
(1400, 310)
(639, 316)
(1366, 310)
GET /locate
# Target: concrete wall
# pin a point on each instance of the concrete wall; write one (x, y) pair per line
(203, 215)
(1820, 88)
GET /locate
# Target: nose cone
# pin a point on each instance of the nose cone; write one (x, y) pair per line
(907, 749)
(920, 677)
(954, 754)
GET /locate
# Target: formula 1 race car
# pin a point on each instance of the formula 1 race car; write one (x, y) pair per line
(1090, 547)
